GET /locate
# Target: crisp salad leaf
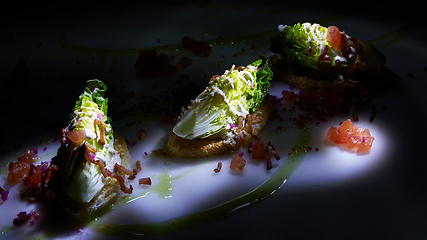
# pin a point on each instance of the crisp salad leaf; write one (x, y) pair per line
(90, 114)
(233, 94)
(315, 47)
(94, 92)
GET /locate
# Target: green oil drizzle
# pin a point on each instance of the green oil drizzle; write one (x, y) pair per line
(64, 44)
(252, 198)
(163, 187)
(394, 36)
(235, 40)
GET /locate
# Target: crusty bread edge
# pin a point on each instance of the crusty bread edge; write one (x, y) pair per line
(372, 79)
(201, 148)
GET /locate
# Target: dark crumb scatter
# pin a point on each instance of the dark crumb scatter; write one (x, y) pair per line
(150, 65)
(373, 113)
(199, 48)
(185, 61)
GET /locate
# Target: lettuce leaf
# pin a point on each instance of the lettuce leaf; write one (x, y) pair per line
(235, 93)
(90, 109)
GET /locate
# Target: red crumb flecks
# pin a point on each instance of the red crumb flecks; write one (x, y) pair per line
(289, 96)
(4, 194)
(140, 134)
(237, 162)
(351, 135)
(35, 174)
(136, 170)
(258, 149)
(122, 169)
(271, 152)
(168, 118)
(201, 48)
(23, 217)
(35, 177)
(138, 166)
(185, 61)
(218, 168)
(261, 152)
(121, 182)
(145, 181)
(150, 64)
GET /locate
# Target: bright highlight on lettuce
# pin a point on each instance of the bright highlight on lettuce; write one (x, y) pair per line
(237, 92)
(317, 47)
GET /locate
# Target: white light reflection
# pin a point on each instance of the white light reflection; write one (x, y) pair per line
(336, 164)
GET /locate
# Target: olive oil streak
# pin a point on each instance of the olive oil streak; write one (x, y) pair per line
(163, 187)
(394, 36)
(252, 198)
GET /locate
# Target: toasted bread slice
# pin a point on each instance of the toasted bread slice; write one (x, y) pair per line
(372, 80)
(200, 148)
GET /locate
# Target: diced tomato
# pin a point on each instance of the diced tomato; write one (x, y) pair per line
(258, 149)
(28, 156)
(24, 168)
(34, 175)
(334, 37)
(333, 135)
(351, 135)
(76, 135)
(366, 133)
(345, 125)
(238, 162)
(349, 132)
(17, 170)
(366, 144)
(354, 142)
